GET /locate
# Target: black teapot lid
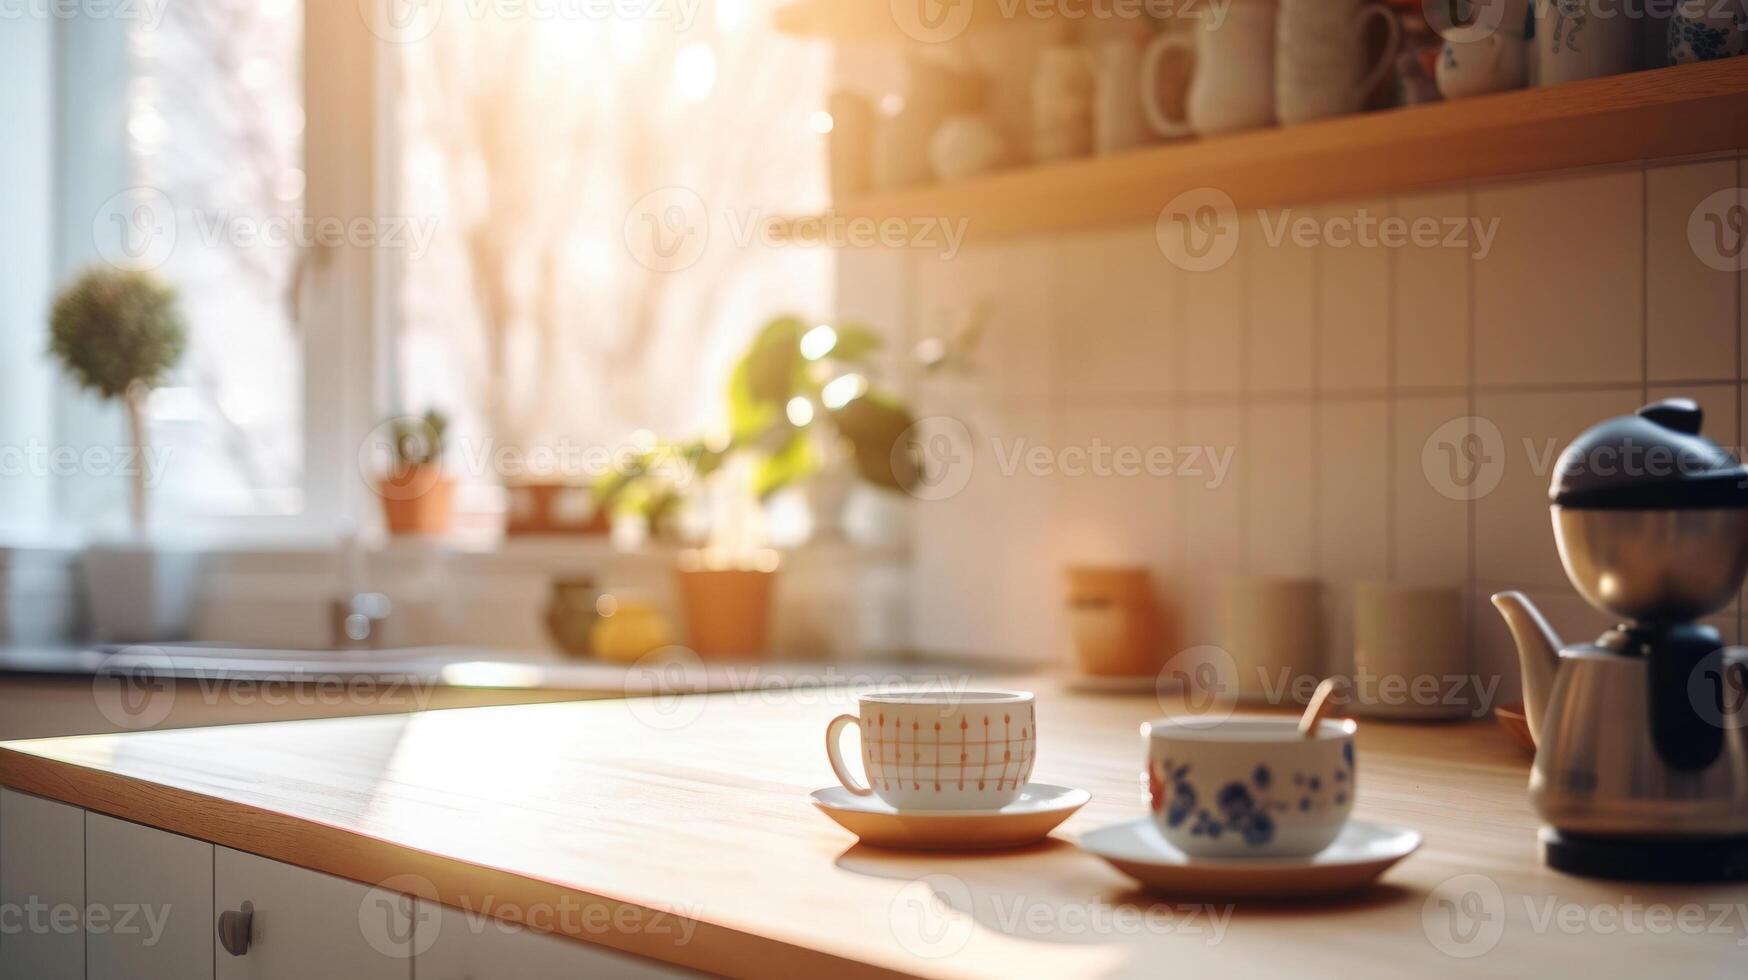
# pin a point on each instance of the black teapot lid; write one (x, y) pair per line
(1653, 460)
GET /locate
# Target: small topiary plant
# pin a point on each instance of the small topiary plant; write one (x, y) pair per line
(119, 333)
(420, 441)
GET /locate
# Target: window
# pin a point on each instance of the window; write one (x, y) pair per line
(594, 190)
(215, 122)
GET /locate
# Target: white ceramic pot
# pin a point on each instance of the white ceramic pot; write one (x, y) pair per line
(1705, 30)
(1495, 63)
(140, 593)
(1320, 60)
(1575, 40)
(1249, 786)
(1233, 87)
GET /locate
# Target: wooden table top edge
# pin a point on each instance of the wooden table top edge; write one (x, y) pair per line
(316, 846)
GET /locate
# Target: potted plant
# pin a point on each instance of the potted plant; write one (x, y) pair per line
(802, 411)
(119, 334)
(418, 497)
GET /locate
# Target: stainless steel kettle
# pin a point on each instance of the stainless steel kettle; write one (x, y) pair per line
(1641, 767)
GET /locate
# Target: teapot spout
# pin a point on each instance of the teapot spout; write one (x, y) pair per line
(1538, 653)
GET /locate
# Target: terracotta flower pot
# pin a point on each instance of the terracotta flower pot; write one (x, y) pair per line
(554, 508)
(728, 610)
(417, 500)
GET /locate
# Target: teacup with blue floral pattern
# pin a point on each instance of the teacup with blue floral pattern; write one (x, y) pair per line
(1250, 785)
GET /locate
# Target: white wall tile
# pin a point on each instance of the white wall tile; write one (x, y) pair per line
(1019, 344)
(1560, 297)
(1353, 300)
(1280, 499)
(1111, 312)
(1110, 513)
(1209, 509)
(1514, 534)
(1353, 481)
(1429, 540)
(1279, 284)
(986, 581)
(1690, 307)
(1210, 328)
(1430, 299)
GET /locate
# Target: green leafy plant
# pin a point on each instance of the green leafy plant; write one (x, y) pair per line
(799, 400)
(119, 333)
(420, 441)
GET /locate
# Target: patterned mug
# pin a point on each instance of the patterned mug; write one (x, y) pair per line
(940, 750)
(1705, 30)
(1251, 786)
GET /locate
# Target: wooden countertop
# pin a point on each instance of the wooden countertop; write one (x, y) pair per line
(696, 808)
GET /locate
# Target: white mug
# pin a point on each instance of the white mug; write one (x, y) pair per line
(1118, 123)
(1233, 87)
(1495, 63)
(1577, 39)
(940, 750)
(1411, 652)
(1320, 68)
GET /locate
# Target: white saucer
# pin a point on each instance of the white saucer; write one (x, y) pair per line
(1039, 809)
(1364, 851)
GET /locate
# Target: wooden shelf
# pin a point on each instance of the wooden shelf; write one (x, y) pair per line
(1669, 112)
(873, 20)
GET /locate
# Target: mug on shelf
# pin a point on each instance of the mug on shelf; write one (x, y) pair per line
(1232, 87)
(1705, 30)
(1320, 60)
(940, 750)
(1495, 63)
(1579, 39)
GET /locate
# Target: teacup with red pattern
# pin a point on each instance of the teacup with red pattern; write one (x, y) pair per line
(940, 750)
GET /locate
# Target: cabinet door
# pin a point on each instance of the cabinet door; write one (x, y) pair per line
(148, 901)
(42, 888)
(307, 925)
(455, 945)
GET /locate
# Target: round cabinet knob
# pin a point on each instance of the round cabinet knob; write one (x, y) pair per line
(234, 929)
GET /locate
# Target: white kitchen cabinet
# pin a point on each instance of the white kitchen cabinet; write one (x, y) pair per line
(455, 945)
(148, 899)
(309, 925)
(42, 888)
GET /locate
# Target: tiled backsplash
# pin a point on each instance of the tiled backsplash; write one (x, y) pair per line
(1337, 379)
